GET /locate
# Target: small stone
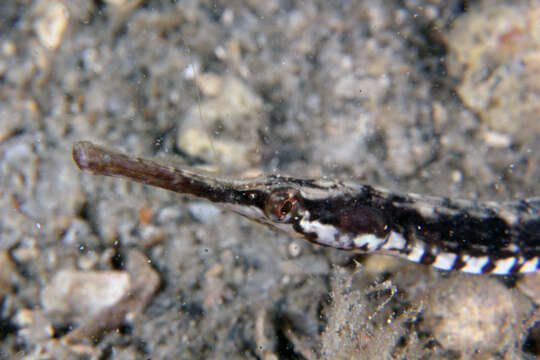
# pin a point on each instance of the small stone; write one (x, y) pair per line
(84, 293)
(457, 176)
(8, 48)
(495, 53)
(145, 214)
(223, 130)
(497, 140)
(472, 314)
(18, 152)
(294, 249)
(204, 212)
(210, 84)
(169, 214)
(151, 235)
(77, 230)
(51, 26)
(111, 299)
(214, 271)
(228, 17)
(33, 326)
(88, 261)
(27, 251)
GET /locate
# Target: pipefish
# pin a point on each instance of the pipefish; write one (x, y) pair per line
(464, 235)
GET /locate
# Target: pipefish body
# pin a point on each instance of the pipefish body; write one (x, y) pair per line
(464, 235)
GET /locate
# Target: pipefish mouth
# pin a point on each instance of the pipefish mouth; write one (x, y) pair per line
(463, 235)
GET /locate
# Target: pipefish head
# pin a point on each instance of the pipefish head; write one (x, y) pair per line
(273, 201)
(322, 212)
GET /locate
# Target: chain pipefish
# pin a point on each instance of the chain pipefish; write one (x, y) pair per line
(462, 235)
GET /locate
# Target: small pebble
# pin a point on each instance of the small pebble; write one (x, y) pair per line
(84, 293)
(210, 84)
(294, 249)
(50, 27)
(204, 212)
(474, 314)
(497, 140)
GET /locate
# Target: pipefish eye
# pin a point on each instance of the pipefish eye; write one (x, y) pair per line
(282, 204)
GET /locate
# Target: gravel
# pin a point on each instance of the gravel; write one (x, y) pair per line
(405, 95)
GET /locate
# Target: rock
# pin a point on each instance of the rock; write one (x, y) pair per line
(228, 126)
(51, 24)
(143, 283)
(496, 52)
(84, 293)
(474, 315)
(100, 300)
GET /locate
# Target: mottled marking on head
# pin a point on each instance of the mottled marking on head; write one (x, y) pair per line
(319, 233)
(368, 242)
(321, 212)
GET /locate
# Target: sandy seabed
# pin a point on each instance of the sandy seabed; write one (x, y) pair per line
(434, 97)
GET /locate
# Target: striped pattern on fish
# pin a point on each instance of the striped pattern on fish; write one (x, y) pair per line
(463, 235)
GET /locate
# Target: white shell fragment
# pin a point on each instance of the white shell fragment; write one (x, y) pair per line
(78, 293)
